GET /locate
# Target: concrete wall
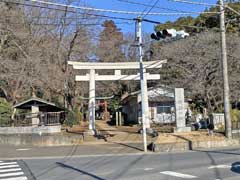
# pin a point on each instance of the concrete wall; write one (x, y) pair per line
(184, 146)
(43, 140)
(30, 130)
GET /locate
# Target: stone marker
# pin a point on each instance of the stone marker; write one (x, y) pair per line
(180, 111)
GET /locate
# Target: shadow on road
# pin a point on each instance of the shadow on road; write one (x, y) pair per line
(219, 151)
(212, 161)
(79, 170)
(128, 145)
(236, 167)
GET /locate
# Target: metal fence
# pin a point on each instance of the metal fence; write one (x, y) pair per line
(25, 119)
(165, 119)
(236, 125)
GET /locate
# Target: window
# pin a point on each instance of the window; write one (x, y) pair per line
(163, 109)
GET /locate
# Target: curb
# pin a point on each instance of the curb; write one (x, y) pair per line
(186, 146)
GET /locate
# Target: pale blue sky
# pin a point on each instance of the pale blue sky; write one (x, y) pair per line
(147, 27)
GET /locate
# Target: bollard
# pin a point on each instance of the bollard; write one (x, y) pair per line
(116, 118)
(120, 118)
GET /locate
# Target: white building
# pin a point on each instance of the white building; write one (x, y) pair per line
(161, 106)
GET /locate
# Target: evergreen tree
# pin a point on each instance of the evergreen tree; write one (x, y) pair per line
(110, 42)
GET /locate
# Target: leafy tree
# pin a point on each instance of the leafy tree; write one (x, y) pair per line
(206, 21)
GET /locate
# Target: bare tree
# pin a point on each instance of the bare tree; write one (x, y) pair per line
(194, 64)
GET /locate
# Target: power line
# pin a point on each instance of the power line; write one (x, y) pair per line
(233, 10)
(168, 9)
(36, 18)
(90, 8)
(71, 11)
(147, 5)
(107, 10)
(145, 8)
(56, 17)
(195, 3)
(56, 24)
(151, 8)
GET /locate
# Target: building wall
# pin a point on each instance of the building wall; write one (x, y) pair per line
(132, 109)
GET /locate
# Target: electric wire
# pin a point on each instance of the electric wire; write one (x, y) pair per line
(147, 5)
(145, 9)
(168, 9)
(68, 10)
(151, 8)
(206, 4)
(233, 10)
(108, 10)
(195, 3)
(57, 24)
(56, 17)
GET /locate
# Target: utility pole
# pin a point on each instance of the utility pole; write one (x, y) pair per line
(228, 123)
(143, 103)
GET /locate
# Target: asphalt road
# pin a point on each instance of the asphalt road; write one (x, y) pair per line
(202, 165)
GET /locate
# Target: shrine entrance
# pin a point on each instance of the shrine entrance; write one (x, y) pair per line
(92, 77)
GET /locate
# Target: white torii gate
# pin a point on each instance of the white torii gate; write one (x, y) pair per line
(117, 67)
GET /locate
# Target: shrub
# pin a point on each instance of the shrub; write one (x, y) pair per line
(235, 115)
(5, 112)
(73, 118)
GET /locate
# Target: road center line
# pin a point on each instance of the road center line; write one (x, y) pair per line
(176, 174)
(220, 166)
(148, 169)
(24, 149)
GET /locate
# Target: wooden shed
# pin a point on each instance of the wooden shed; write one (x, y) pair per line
(38, 112)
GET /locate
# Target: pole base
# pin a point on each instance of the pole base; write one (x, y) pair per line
(92, 132)
(182, 129)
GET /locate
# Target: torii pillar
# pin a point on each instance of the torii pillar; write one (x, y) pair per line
(91, 104)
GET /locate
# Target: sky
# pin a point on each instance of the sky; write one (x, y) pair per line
(129, 26)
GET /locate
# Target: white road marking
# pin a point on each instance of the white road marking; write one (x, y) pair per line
(11, 174)
(115, 147)
(24, 149)
(9, 166)
(180, 175)
(82, 156)
(10, 170)
(148, 169)
(7, 163)
(16, 178)
(220, 166)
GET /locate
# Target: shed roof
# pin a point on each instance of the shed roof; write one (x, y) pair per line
(155, 94)
(43, 105)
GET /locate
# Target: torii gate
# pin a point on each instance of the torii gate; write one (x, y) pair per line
(117, 67)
